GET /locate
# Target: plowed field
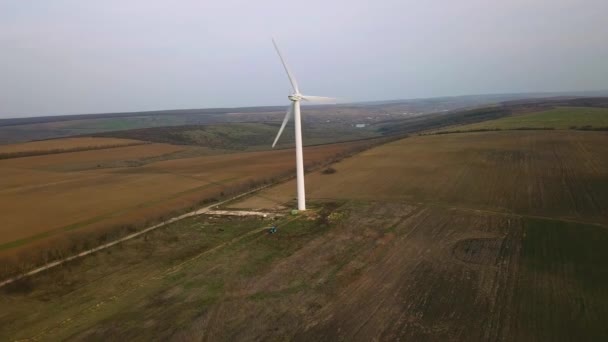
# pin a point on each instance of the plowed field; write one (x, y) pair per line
(549, 174)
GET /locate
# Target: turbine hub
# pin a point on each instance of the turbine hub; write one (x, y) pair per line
(295, 97)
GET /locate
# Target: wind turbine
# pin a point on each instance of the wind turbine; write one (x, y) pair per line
(294, 109)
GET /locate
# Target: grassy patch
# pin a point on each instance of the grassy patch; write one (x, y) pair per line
(556, 118)
(564, 277)
(575, 249)
(289, 238)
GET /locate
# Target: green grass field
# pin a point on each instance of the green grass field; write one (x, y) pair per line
(199, 258)
(556, 118)
(562, 282)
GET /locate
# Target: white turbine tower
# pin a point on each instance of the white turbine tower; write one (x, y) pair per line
(294, 109)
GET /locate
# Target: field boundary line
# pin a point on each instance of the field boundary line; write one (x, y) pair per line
(25, 154)
(511, 214)
(448, 206)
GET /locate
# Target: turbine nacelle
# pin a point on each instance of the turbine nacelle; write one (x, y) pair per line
(310, 98)
(295, 97)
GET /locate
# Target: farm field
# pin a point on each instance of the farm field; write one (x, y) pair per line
(558, 174)
(66, 144)
(478, 236)
(556, 118)
(46, 128)
(72, 195)
(248, 136)
(356, 271)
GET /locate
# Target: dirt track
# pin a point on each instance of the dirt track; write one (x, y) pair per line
(121, 240)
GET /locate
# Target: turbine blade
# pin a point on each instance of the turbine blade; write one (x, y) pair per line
(320, 99)
(287, 116)
(292, 79)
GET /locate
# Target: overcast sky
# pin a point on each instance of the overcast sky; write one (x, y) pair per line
(75, 56)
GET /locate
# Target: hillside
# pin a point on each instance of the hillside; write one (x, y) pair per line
(246, 136)
(588, 118)
(15, 130)
(504, 112)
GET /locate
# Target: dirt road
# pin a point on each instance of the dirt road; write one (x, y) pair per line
(126, 238)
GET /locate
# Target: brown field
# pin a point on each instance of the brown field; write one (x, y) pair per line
(53, 195)
(541, 173)
(496, 236)
(65, 144)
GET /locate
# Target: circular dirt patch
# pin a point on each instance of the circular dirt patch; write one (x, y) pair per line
(483, 251)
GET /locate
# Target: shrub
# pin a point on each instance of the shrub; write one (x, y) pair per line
(328, 171)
